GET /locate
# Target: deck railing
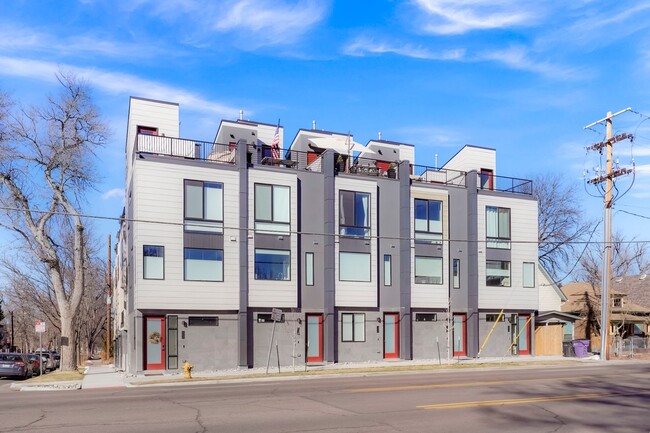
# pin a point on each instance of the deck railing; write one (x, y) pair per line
(184, 148)
(505, 184)
(444, 176)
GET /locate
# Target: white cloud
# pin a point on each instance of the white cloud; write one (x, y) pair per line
(113, 193)
(250, 23)
(518, 57)
(363, 45)
(446, 17)
(116, 83)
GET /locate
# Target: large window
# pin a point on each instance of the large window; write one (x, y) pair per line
(529, 274)
(203, 264)
(354, 266)
(428, 221)
(153, 267)
(354, 214)
(428, 270)
(203, 206)
(353, 327)
(272, 264)
(272, 208)
(497, 273)
(497, 221)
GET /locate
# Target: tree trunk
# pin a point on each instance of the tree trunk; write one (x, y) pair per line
(68, 344)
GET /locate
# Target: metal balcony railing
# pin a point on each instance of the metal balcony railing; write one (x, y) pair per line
(505, 184)
(444, 176)
(184, 148)
(263, 154)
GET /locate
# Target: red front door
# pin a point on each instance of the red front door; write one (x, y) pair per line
(314, 338)
(523, 339)
(391, 335)
(154, 343)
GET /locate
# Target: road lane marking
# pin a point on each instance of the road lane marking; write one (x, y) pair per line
(429, 386)
(467, 404)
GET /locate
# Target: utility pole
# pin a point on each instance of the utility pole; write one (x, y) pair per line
(608, 198)
(108, 301)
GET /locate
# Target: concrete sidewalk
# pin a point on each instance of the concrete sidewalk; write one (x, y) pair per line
(102, 377)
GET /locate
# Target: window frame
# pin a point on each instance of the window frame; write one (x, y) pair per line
(437, 236)
(185, 249)
(353, 323)
(369, 267)
(144, 262)
(343, 228)
(455, 274)
(523, 275)
(273, 220)
(509, 277)
(415, 271)
(388, 270)
(309, 269)
(212, 225)
(500, 241)
(255, 273)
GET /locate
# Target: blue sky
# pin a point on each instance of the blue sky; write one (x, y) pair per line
(523, 77)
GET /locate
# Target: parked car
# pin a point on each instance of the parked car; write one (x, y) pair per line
(48, 363)
(57, 360)
(15, 365)
(36, 362)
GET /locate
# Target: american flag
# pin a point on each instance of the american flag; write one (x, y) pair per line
(275, 146)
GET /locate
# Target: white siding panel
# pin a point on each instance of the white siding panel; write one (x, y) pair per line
(265, 293)
(549, 299)
(158, 189)
(473, 158)
(350, 293)
(161, 115)
(523, 233)
(431, 295)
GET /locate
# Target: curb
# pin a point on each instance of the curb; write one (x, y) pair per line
(53, 386)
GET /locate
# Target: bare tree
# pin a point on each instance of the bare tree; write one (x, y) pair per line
(561, 224)
(46, 166)
(628, 258)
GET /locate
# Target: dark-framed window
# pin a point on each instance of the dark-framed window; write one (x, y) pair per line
(203, 206)
(172, 342)
(455, 274)
(354, 266)
(497, 227)
(428, 220)
(201, 264)
(388, 270)
(153, 262)
(354, 214)
(272, 264)
(529, 274)
(428, 270)
(272, 208)
(353, 327)
(203, 321)
(497, 273)
(309, 269)
(147, 130)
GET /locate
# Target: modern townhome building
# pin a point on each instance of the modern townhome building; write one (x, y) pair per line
(241, 250)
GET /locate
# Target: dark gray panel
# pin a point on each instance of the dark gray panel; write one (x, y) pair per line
(330, 328)
(389, 222)
(245, 331)
(472, 265)
(498, 254)
(203, 240)
(430, 250)
(406, 343)
(354, 245)
(273, 242)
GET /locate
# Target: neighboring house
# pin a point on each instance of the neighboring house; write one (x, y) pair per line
(553, 328)
(367, 255)
(626, 317)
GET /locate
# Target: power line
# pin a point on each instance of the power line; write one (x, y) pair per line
(303, 233)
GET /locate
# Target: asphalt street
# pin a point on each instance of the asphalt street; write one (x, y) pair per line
(576, 398)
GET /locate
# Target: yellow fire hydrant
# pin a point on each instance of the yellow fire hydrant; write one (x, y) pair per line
(187, 370)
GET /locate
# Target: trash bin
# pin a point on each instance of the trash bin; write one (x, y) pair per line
(581, 348)
(567, 349)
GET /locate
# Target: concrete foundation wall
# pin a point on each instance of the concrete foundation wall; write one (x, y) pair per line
(289, 338)
(372, 348)
(208, 347)
(429, 337)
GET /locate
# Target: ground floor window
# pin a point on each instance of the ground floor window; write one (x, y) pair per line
(353, 327)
